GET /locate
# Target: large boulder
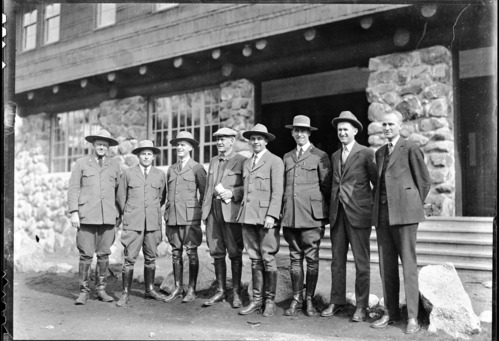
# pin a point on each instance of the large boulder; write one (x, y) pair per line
(446, 302)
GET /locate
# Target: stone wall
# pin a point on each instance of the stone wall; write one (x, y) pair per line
(41, 211)
(418, 84)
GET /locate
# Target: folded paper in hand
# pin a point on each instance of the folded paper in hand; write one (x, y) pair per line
(220, 188)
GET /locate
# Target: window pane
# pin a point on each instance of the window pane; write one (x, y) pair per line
(106, 14)
(160, 7)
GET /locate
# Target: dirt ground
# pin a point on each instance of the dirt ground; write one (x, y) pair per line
(44, 309)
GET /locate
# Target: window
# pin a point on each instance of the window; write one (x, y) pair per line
(68, 137)
(163, 6)
(195, 112)
(29, 30)
(52, 23)
(106, 14)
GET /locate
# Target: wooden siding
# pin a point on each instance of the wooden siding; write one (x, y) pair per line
(142, 35)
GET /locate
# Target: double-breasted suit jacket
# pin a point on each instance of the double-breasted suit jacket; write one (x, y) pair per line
(140, 199)
(307, 189)
(263, 189)
(232, 179)
(352, 186)
(92, 190)
(407, 183)
(183, 206)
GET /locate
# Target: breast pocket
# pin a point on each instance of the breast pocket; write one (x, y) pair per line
(234, 178)
(88, 178)
(134, 189)
(310, 172)
(157, 189)
(190, 181)
(262, 182)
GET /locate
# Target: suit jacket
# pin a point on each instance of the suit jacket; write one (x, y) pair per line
(307, 189)
(232, 179)
(407, 183)
(352, 187)
(140, 200)
(92, 190)
(263, 189)
(183, 206)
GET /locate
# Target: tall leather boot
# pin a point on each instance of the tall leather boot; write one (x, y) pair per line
(149, 274)
(256, 302)
(237, 269)
(178, 275)
(270, 290)
(297, 284)
(193, 277)
(84, 274)
(126, 277)
(101, 282)
(312, 278)
(221, 276)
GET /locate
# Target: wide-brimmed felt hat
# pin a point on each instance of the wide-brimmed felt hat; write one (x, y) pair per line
(225, 132)
(347, 116)
(102, 134)
(259, 129)
(146, 144)
(300, 121)
(184, 136)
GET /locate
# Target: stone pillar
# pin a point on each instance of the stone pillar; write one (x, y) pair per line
(418, 84)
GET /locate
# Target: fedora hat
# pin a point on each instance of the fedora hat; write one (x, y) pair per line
(225, 132)
(184, 136)
(259, 129)
(102, 134)
(347, 116)
(300, 121)
(145, 144)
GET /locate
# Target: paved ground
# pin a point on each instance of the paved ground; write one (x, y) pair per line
(44, 309)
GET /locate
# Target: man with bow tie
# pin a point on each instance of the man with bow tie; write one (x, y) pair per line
(185, 179)
(307, 189)
(223, 195)
(350, 215)
(92, 204)
(141, 193)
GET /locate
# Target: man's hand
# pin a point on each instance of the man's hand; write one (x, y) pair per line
(75, 220)
(226, 194)
(268, 222)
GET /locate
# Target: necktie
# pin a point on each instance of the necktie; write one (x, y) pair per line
(145, 173)
(300, 153)
(390, 148)
(344, 155)
(254, 161)
(99, 159)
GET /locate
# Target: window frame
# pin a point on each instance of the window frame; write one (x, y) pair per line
(98, 15)
(25, 27)
(46, 22)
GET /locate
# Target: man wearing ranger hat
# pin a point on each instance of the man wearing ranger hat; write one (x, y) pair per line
(307, 188)
(263, 177)
(350, 215)
(223, 195)
(141, 193)
(92, 204)
(183, 213)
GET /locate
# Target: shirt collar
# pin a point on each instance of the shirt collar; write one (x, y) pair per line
(259, 155)
(395, 140)
(185, 160)
(349, 146)
(142, 168)
(304, 147)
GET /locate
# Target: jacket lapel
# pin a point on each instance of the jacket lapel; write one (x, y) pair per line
(261, 162)
(352, 156)
(188, 166)
(397, 150)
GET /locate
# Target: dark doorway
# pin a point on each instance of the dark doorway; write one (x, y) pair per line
(321, 111)
(478, 146)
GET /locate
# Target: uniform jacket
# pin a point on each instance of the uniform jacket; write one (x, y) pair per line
(92, 190)
(307, 189)
(263, 189)
(232, 179)
(352, 187)
(407, 183)
(183, 206)
(140, 200)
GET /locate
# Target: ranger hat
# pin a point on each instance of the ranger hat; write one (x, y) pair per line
(145, 144)
(259, 129)
(301, 121)
(102, 134)
(184, 136)
(347, 116)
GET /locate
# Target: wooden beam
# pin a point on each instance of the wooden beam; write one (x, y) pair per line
(477, 62)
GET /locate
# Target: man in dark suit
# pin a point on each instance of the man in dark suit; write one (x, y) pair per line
(222, 201)
(307, 188)
(141, 193)
(185, 179)
(350, 215)
(92, 204)
(260, 209)
(403, 184)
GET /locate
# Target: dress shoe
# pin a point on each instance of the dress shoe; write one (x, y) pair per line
(269, 309)
(383, 322)
(236, 300)
(309, 308)
(220, 296)
(359, 315)
(251, 308)
(412, 326)
(332, 309)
